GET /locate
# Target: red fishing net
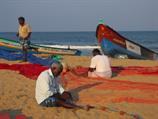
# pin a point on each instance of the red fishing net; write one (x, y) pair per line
(76, 80)
(123, 70)
(29, 70)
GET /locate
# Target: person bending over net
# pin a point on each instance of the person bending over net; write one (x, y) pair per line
(100, 65)
(50, 93)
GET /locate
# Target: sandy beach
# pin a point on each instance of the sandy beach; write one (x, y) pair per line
(132, 94)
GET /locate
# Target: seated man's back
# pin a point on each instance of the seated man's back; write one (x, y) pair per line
(100, 65)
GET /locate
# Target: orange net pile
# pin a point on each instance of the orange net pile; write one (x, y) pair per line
(121, 90)
(113, 90)
(123, 70)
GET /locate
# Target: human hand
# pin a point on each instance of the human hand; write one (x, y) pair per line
(67, 95)
(87, 107)
(26, 38)
(17, 34)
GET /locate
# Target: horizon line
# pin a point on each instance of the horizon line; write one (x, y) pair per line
(87, 31)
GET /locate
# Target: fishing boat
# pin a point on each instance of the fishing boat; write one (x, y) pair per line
(115, 45)
(14, 45)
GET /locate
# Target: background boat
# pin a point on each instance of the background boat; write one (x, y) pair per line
(114, 44)
(14, 46)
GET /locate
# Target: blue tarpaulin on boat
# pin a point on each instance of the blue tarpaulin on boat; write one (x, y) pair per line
(13, 56)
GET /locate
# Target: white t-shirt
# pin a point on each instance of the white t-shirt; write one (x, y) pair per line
(101, 63)
(46, 86)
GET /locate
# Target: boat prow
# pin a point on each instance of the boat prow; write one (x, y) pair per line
(114, 44)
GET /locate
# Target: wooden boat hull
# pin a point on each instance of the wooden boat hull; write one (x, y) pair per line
(112, 43)
(14, 46)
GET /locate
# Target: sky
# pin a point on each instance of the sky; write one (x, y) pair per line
(79, 15)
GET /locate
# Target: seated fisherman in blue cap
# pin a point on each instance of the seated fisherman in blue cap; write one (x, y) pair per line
(50, 93)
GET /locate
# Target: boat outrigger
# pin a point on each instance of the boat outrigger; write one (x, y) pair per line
(114, 45)
(14, 45)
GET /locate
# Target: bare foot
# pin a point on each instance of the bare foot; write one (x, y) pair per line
(87, 107)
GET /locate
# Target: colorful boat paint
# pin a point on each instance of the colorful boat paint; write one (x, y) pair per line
(15, 45)
(114, 44)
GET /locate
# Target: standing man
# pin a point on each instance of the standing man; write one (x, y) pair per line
(24, 34)
(50, 93)
(100, 65)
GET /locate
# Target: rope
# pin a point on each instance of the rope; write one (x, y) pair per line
(122, 113)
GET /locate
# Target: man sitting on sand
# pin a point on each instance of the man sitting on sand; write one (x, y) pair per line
(100, 65)
(50, 93)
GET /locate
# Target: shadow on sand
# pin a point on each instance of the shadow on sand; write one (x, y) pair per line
(75, 91)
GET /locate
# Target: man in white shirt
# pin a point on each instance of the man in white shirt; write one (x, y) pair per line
(24, 33)
(100, 65)
(49, 92)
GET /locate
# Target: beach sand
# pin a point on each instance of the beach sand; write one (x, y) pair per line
(17, 93)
